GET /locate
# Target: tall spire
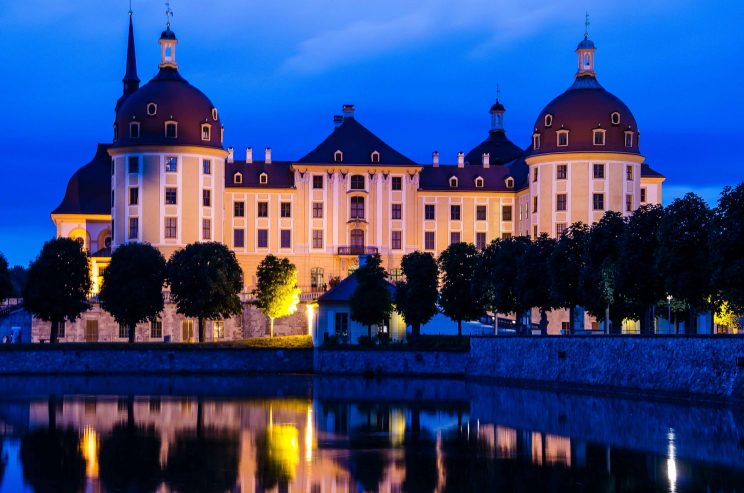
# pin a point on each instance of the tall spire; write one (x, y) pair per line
(131, 80)
(585, 51)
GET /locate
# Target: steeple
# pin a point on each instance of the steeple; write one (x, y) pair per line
(168, 42)
(497, 113)
(131, 80)
(585, 51)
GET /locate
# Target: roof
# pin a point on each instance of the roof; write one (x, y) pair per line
(648, 172)
(357, 144)
(499, 148)
(102, 253)
(279, 173)
(89, 189)
(494, 177)
(342, 292)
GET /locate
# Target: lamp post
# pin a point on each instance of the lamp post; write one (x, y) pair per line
(669, 312)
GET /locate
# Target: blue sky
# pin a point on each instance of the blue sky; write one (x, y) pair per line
(422, 75)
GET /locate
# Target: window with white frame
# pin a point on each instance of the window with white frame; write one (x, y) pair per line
(615, 118)
(134, 130)
(206, 131)
(338, 157)
(598, 137)
(152, 109)
(375, 157)
(535, 141)
(171, 164)
(453, 182)
(357, 182)
(263, 178)
(628, 139)
(548, 120)
(479, 182)
(238, 178)
(171, 130)
(562, 136)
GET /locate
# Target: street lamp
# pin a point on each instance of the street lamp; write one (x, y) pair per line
(669, 313)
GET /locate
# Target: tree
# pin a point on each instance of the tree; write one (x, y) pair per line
(531, 284)
(58, 284)
(416, 296)
(637, 281)
(726, 240)
(371, 302)
(276, 290)
(564, 269)
(683, 258)
(205, 280)
(457, 265)
(18, 276)
(6, 285)
(132, 289)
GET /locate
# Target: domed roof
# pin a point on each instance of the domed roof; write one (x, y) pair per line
(500, 150)
(173, 100)
(586, 106)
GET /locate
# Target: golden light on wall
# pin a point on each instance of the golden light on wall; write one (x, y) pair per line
(397, 427)
(89, 449)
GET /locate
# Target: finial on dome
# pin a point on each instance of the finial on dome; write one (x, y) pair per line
(168, 41)
(498, 92)
(585, 51)
(168, 14)
(586, 26)
(497, 112)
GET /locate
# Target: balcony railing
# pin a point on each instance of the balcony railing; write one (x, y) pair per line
(357, 250)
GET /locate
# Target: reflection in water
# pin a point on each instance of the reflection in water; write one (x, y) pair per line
(394, 439)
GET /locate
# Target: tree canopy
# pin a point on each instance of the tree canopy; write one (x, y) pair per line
(531, 284)
(132, 290)
(727, 246)
(276, 290)
(457, 265)
(566, 263)
(371, 303)
(205, 281)
(58, 283)
(416, 296)
(6, 285)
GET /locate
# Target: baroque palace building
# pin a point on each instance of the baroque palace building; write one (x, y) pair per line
(168, 179)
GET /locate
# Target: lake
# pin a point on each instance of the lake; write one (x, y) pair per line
(333, 434)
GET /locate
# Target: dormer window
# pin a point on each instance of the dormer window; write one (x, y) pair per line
(548, 120)
(615, 118)
(338, 157)
(263, 178)
(238, 178)
(628, 139)
(171, 130)
(206, 131)
(510, 182)
(562, 136)
(598, 137)
(152, 109)
(214, 114)
(375, 157)
(453, 182)
(479, 182)
(536, 141)
(134, 130)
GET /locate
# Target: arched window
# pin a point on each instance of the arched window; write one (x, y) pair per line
(375, 157)
(598, 137)
(171, 130)
(263, 178)
(479, 182)
(134, 130)
(357, 208)
(338, 157)
(510, 182)
(453, 182)
(238, 178)
(615, 118)
(152, 109)
(548, 120)
(357, 182)
(206, 131)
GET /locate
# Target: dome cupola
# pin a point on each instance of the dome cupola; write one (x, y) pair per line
(497, 145)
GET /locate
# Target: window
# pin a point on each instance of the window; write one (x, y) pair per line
(133, 162)
(342, 326)
(643, 195)
(133, 228)
(599, 171)
(285, 237)
(357, 207)
(187, 330)
(615, 118)
(318, 181)
(480, 212)
(357, 182)
(263, 178)
(262, 209)
(171, 164)
(534, 232)
(534, 204)
(480, 241)
(548, 120)
(397, 183)
(318, 210)
(152, 109)
(396, 212)
(156, 329)
(628, 139)
(395, 240)
(134, 130)
(285, 209)
(599, 137)
(171, 227)
(506, 213)
(123, 331)
(171, 196)
(454, 238)
(317, 238)
(506, 236)
(218, 329)
(453, 182)
(629, 173)
(534, 174)
(479, 182)
(171, 130)
(207, 198)
(206, 132)
(238, 178)
(455, 212)
(560, 229)
(239, 209)
(562, 138)
(429, 240)
(396, 274)
(375, 157)
(133, 195)
(598, 202)
(560, 202)
(317, 275)
(561, 172)
(206, 229)
(262, 238)
(338, 156)
(535, 141)
(628, 203)
(510, 182)
(206, 166)
(429, 212)
(238, 238)
(215, 115)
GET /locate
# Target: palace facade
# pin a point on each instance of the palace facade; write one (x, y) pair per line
(168, 179)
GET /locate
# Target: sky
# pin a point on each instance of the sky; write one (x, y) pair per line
(422, 75)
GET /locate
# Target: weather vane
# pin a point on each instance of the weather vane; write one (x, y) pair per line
(586, 25)
(498, 92)
(168, 13)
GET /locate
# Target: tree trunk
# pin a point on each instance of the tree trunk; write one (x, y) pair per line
(369, 332)
(459, 328)
(132, 329)
(271, 326)
(54, 332)
(607, 319)
(200, 335)
(543, 321)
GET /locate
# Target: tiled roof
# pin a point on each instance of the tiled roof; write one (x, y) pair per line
(89, 189)
(648, 172)
(343, 290)
(279, 174)
(501, 150)
(494, 177)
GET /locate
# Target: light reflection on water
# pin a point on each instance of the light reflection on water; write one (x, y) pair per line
(346, 435)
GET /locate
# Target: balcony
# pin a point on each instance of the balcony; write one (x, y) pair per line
(357, 250)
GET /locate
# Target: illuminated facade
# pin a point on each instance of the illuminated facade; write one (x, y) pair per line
(167, 179)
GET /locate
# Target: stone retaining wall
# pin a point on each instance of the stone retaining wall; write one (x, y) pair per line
(390, 362)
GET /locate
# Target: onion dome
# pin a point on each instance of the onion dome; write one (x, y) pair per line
(586, 117)
(499, 148)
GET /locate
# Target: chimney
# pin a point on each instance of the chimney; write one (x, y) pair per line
(460, 159)
(435, 159)
(337, 120)
(249, 155)
(230, 154)
(348, 110)
(486, 160)
(267, 155)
